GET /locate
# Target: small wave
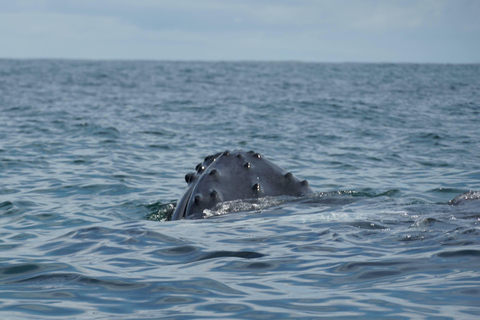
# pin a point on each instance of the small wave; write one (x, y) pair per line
(163, 211)
(244, 205)
(464, 253)
(465, 197)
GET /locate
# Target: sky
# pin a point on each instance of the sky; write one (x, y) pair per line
(416, 31)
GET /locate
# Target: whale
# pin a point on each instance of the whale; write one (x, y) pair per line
(235, 175)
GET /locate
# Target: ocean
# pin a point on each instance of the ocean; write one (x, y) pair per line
(93, 156)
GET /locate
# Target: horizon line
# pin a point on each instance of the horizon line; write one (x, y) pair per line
(231, 60)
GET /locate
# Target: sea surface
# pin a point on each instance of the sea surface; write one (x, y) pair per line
(93, 156)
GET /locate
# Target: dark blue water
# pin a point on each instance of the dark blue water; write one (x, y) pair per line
(93, 156)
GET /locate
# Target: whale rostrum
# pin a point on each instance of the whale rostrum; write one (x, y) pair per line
(236, 175)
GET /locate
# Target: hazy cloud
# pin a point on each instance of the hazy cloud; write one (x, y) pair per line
(344, 30)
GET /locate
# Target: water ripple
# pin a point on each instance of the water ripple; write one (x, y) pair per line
(93, 156)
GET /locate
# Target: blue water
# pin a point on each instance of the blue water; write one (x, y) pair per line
(93, 156)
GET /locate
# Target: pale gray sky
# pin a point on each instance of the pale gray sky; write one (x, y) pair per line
(438, 31)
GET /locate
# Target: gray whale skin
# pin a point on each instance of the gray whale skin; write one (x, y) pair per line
(236, 175)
